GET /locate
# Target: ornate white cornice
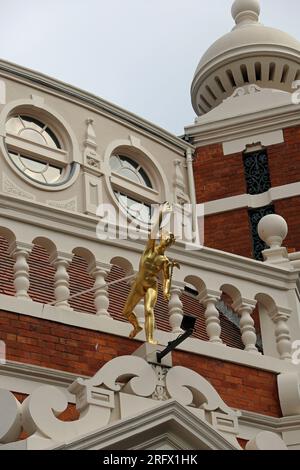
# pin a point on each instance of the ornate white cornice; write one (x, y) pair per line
(90, 101)
(241, 126)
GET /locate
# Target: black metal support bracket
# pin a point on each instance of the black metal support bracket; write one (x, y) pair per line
(173, 344)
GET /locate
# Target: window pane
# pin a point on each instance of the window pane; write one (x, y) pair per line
(52, 174)
(35, 176)
(127, 173)
(128, 168)
(115, 163)
(33, 165)
(14, 125)
(33, 136)
(32, 129)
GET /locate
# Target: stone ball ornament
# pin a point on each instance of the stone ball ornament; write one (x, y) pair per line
(245, 9)
(272, 229)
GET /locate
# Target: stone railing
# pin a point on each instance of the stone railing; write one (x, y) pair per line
(269, 286)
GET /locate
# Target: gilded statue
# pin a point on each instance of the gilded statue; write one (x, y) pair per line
(145, 285)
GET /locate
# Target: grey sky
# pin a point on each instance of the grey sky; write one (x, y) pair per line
(138, 54)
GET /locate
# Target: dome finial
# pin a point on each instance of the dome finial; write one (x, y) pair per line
(245, 11)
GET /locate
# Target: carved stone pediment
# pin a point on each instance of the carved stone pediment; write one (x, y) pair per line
(125, 387)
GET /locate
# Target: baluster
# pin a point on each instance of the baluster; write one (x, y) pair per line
(283, 335)
(212, 318)
(99, 272)
(61, 263)
(247, 327)
(175, 308)
(20, 252)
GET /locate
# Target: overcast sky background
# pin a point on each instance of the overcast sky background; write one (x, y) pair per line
(138, 54)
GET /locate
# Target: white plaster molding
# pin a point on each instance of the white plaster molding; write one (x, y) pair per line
(9, 187)
(250, 424)
(10, 423)
(25, 378)
(266, 139)
(68, 204)
(2, 92)
(252, 201)
(241, 126)
(92, 103)
(137, 432)
(266, 441)
(289, 393)
(96, 400)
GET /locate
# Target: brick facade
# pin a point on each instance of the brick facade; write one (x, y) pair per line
(229, 231)
(284, 159)
(289, 209)
(80, 351)
(218, 176)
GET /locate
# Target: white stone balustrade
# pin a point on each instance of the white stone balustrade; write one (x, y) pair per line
(61, 262)
(20, 252)
(209, 272)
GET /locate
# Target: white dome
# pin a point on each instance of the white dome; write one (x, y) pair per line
(250, 53)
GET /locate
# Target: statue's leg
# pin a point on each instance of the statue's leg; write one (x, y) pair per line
(150, 301)
(132, 301)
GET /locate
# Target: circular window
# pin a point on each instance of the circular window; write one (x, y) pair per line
(35, 150)
(128, 170)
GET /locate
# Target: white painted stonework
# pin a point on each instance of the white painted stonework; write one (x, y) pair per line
(126, 388)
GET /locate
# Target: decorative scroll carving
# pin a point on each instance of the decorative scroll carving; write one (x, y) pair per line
(41, 408)
(135, 372)
(10, 422)
(95, 401)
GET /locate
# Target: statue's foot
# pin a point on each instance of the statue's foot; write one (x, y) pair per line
(136, 330)
(153, 341)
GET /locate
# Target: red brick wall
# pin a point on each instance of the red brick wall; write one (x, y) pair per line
(289, 209)
(229, 231)
(52, 345)
(284, 159)
(217, 176)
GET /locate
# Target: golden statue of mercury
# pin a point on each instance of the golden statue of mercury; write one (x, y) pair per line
(145, 286)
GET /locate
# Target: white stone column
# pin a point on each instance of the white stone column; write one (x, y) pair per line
(175, 308)
(61, 262)
(99, 272)
(212, 317)
(283, 335)
(249, 338)
(20, 252)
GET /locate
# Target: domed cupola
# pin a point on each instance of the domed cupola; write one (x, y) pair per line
(250, 54)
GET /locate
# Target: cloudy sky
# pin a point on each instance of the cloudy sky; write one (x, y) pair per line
(139, 54)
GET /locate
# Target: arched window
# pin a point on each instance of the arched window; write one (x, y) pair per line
(36, 150)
